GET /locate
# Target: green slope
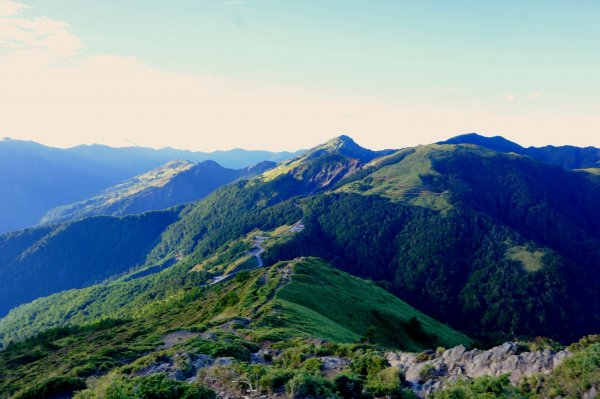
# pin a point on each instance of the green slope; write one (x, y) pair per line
(334, 305)
(290, 299)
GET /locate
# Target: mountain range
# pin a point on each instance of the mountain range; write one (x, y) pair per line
(36, 178)
(568, 156)
(338, 252)
(172, 184)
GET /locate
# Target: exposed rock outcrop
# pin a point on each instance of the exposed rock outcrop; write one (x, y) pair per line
(431, 375)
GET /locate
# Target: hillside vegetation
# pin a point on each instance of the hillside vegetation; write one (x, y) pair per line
(265, 304)
(41, 261)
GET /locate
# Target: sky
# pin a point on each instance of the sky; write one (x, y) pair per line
(288, 74)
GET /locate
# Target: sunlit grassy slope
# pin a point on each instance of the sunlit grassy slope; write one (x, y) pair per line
(334, 305)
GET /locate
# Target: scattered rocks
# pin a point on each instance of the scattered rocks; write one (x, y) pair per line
(209, 336)
(180, 366)
(592, 393)
(332, 363)
(223, 361)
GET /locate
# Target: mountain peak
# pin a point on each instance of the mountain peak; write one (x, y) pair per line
(346, 146)
(338, 142)
(496, 143)
(342, 139)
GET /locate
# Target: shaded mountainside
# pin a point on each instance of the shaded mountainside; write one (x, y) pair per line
(568, 157)
(40, 261)
(172, 184)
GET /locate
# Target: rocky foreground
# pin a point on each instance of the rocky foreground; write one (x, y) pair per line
(433, 374)
(425, 373)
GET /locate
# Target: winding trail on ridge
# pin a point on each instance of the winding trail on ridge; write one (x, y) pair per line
(256, 251)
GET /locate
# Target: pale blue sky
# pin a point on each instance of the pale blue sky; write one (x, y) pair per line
(527, 69)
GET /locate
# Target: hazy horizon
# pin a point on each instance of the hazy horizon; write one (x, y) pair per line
(282, 75)
(290, 150)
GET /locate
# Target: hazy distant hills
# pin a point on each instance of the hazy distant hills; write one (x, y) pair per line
(569, 157)
(36, 178)
(142, 159)
(174, 183)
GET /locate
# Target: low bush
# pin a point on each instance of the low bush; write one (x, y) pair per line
(156, 386)
(305, 385)
(53, 386)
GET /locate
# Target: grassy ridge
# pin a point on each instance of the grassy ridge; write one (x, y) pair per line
(290, 299)
(331, 304)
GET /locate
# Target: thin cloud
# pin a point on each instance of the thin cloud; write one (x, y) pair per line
(38, 35)
(535, 95)
(510, 97)
(9, 8)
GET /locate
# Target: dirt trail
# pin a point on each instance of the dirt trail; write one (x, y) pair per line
(177, 337)
(256, 251)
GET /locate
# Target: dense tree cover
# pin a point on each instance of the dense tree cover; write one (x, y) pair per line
(116, 245)
(42, 261)
(202, 229)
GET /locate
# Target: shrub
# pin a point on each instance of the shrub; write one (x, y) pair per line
(425, 356)
(386, 382)
(312, 365)
(275, 379)
(304, 385)
(156, 386)
(541, 343)
(427, 372)
(368, 363)
(349, 386)
(53, 386)
(480, 388)
(234, 347)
